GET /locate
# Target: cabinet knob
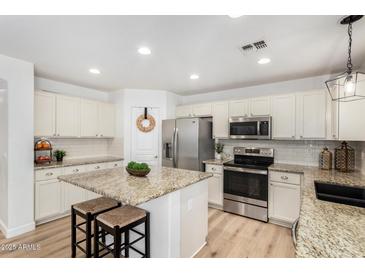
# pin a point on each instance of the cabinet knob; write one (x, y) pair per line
(49, 173)
(334, 135)
(101, 135)
(115, 164)
(301, 136)
(293, 137)
(284, 177)
(76, 170)
(97, 167)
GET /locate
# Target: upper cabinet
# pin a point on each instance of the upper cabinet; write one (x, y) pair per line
(260, 106)
(220, 119)
(202, 110)
(44, 114)
(311, 114)
(66, 116)
(239, 108)
(283, 116)
(351, 123)
(184, 111)
(106, 120)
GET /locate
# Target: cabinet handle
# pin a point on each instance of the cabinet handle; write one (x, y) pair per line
(334, 135)
(115, 164)
(301, 136)
(293, 137)
(49, 174)
(284, 177)
(76, 170)
(101, 135)
(97, 167)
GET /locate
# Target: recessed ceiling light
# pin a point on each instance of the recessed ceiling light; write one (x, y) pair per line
(194, 76)
(234, 16)
(144, 51)
(263, 61)
(94, 71)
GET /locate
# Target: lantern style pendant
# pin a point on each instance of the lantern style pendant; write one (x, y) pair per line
(349, 85)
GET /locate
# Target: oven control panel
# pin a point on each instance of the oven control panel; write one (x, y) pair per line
(254, 151)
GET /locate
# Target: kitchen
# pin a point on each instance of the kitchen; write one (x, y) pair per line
(254, 153)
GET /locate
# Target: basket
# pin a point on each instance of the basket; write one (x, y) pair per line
(345, 158)
(325, 159)
(138, 173)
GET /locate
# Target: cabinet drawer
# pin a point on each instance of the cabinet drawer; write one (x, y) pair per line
(47, 174)
(285, 177)
(74, 169)
(115, 164)
(96, 166)
(214, 168)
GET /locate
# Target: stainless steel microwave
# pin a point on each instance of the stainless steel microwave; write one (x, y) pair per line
(250, 127)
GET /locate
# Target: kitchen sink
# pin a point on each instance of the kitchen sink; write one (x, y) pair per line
(341, 194)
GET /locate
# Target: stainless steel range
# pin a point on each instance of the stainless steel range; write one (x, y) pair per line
(246, 182)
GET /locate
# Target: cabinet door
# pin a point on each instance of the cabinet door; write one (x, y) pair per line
(351, 121)
(89, 118)
(220, 120)
(68, 116)
(239, 108)
(283, 116)
(44, 114)
(184, 111)
(92, 195)
(72, 195)
(106, 120)
(260, 106)
(215, 190)
(47, 199)
(332, 118)
(202, 110)
(312, 114)
(284, 201)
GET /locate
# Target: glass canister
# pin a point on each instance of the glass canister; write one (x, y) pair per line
(345, 158)
(325, 159)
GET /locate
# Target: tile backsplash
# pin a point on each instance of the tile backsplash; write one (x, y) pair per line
(297, 152)
(88, 147)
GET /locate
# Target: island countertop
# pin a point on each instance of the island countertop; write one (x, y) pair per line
(327, 229)
(118, 184)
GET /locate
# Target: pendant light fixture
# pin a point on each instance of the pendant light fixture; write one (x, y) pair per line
(349, 85)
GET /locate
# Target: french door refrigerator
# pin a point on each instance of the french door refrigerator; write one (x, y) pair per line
(186, 142)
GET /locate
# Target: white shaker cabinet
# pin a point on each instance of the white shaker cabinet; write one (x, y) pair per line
(48, 199)
(44, 114)
(68, 116)
(260, 106)
(215, 186)
(283, 116)
(202, 110)
(106, 120)
(220, 119)
(352, 120)
(72, 195)
(184, 111)
(89, 118)
(239, 108)
(311, 114)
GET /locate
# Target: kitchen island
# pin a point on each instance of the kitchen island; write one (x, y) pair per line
(177, 200)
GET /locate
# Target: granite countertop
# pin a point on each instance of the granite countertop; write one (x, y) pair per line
(327, 229)
(216, 161)
(77, 162)
(118, 184)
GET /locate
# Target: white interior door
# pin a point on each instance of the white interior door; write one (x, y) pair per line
(145, 145)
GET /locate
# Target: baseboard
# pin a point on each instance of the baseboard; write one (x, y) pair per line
(10, 233)
(200, 248)
(3, 227)
(215, 206)
(280, 222)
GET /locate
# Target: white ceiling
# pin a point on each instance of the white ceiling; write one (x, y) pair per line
(64, 48)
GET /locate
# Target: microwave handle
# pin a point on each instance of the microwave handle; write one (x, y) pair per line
(258, 128)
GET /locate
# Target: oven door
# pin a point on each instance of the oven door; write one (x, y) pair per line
(246, 185)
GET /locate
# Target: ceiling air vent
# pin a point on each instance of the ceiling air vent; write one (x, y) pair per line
(256, 45)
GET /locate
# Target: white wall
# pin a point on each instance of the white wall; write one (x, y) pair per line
(261, 90)
(3, 155)
(68, 89)
(19, 76)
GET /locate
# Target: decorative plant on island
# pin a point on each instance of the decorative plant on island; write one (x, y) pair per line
(219, 149)
(59, 154)
(138, 169)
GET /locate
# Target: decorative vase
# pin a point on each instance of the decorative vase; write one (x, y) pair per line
(218, 156)
(59, 159)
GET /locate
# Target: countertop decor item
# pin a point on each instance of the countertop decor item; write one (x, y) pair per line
(42, 151)
(145, 122)
(138, 169)
(218, 149)
(59, 154)
(349, 85)
(325, 159)
(345, 158)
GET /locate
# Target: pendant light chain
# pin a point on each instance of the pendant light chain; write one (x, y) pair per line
(349, 61)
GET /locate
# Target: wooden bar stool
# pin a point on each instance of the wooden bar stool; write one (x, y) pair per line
(88, 210)
(120, 221)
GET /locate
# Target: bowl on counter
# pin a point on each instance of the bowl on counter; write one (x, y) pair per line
(138, 173)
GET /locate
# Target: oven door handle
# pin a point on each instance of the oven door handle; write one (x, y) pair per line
(246, 170)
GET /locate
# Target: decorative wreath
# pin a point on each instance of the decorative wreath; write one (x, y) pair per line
(145, 124)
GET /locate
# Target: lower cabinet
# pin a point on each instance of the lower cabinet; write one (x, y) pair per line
(48, 199)
(72, 195)
(215, 186)
(284, 199)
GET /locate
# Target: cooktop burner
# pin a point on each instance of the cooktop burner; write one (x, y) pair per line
(255, 158)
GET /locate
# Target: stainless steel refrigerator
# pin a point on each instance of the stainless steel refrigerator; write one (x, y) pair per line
(186, 142)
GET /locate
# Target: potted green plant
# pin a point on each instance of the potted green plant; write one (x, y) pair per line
(138, 169)
(219, 149)
(59, 154)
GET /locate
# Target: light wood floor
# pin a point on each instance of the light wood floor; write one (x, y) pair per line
(229, 236)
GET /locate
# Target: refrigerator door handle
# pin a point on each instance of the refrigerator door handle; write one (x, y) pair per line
(175, 150)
